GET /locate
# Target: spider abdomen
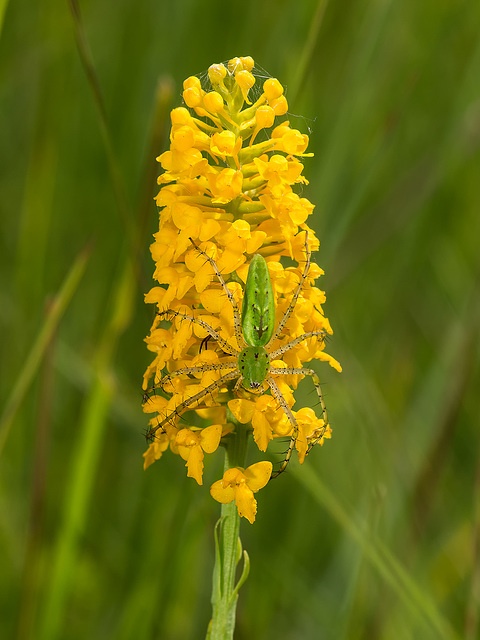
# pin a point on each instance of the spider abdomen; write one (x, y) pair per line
(258, 309)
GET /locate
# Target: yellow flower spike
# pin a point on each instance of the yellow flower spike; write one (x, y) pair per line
(229, 216)
(225, 197)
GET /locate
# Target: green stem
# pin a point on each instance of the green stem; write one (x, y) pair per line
(228, 550)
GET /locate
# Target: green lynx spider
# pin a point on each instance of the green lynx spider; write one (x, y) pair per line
(254, 332)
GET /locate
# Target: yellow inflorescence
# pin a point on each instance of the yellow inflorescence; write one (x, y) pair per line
(226, 187)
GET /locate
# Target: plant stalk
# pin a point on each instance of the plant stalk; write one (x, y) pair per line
(228, 548)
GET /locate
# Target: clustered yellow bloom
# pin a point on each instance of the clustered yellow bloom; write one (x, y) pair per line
(226, 188)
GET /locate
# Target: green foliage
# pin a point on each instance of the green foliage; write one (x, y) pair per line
(374, 537)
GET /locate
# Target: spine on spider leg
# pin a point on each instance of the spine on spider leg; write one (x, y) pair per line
(286, 460)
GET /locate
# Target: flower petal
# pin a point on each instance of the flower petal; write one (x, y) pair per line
(210, 437)
(246, 503)
(262, 431)
(195, 464)
(242, 410)
(258, 474)
(221, 493)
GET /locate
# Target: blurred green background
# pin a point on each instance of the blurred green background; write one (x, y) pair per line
(377, 535)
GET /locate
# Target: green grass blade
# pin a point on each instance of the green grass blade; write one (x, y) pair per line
(30, 368)
(3, 8)
(377, 553)
(85, 461)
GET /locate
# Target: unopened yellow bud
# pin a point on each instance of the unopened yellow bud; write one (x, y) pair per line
(272, 89)
(264, 117)
(193, 92)
(192, 82)
(280, 106)
(247, 62)
(245, 81)
(217, 73)
(234, 65)
(213, 102)
(192, 97)
(180, 116)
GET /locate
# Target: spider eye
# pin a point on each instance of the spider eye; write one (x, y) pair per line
(254, 385)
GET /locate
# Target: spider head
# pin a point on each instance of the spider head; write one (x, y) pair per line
(253, 363)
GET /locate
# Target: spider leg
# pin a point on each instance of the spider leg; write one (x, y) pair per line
(223, 343)
(192, 400)
(316, 381)
(151, 391)
(293, 302)
(204, 343)
(147, 392)
(283, 403)
(238, 384)
(286, 347)
(199, 369)
(236, 312)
